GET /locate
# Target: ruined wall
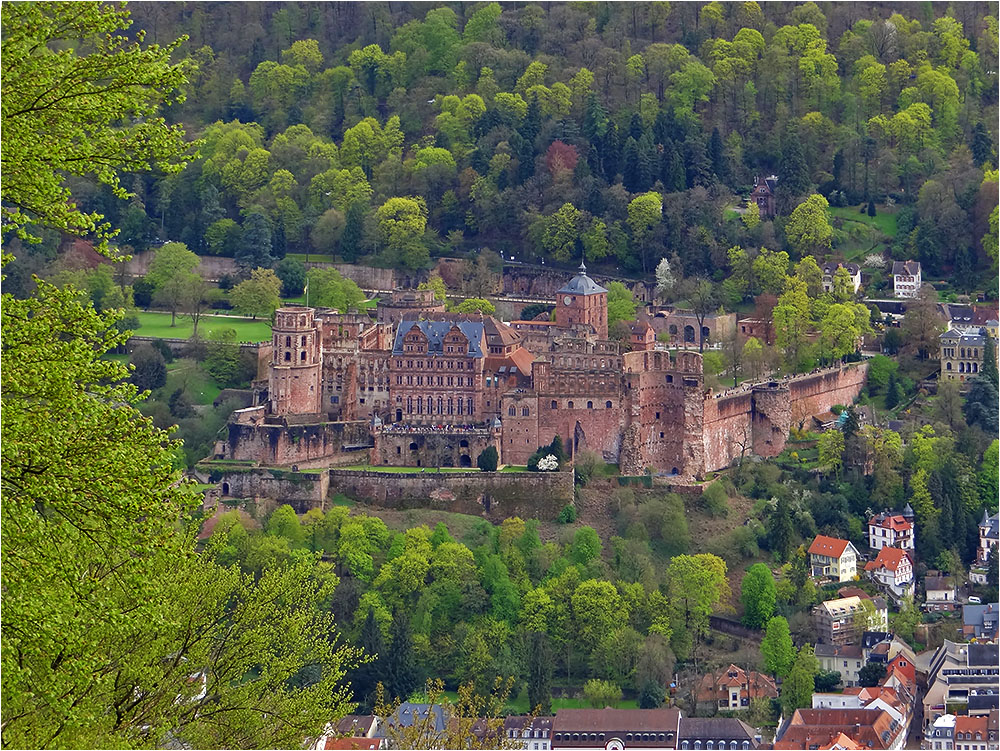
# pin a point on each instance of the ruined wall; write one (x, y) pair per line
(369, 277)
(312, 445)
(427, 448)
(815, 394)
(519, 413)
(728, 431)
(300, 490)
(495, 495)
(541, 282)
(771, 419)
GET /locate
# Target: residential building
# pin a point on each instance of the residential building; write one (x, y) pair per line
(846, 659)
(829, 269)
(733, 689)
(898, 703)
(980, 621)
(642, 337)
(616, 729)
(971, 734)
(940, 593)
(533, 733)
(763, 195)
(906, 278)
(989, 536)
(940, 734)
(822, 728)
(830, 557)
(971, 317)
(957, 674)
(835, 620)
(351, 728)
(892, 571)
(717, 733)
(891, 530)
(351, 743)
(962, 352)
(410, 713)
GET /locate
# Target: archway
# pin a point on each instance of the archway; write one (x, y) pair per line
(465, 460)
(225, 488)
(689, 334)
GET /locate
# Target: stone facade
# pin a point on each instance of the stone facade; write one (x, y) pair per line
(402, 303)
(417, 447)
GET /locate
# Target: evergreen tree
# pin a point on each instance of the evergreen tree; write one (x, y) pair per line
(630, 166)
(367, 676)
(648, 162)
(401, 674)
(595, 119)
(610, 151)
(871, 207)
(539, 659)
(699, 166)
(717, 155)
(981, 146)
(255, 251)
(989, 367)
(352, 238)
(893, 392)
(794, 179)
(673, 172)
(780, 530)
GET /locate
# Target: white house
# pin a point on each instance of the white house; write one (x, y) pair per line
(892, 571)
(891, 530)
(940, 593)
(833, 558)
(829, 269)
(906, 278)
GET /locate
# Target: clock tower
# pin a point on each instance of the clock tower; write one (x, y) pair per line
(583, 301)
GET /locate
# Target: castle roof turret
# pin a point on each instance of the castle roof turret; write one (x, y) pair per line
(581, 284)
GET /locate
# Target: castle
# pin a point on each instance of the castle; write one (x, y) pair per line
(432, 389)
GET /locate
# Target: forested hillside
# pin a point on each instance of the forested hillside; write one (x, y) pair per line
(393, 133)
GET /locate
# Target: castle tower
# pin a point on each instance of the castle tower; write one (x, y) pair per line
(583, 300)
(294, 386)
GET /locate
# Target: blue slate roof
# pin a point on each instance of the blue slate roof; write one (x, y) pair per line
(581, 284)
(436, 331)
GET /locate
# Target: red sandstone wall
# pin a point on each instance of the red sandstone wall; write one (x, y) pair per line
(727, 429)
(305, 445)
(813, 395)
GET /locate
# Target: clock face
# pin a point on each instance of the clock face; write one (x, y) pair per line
(567, 300)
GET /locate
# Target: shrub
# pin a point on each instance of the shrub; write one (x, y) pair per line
(567, 515)
(150, 368)
(488, 459)
(714, 500)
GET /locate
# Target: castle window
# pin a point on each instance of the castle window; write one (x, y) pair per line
(590, 405)
(511, 411)
(607, 405)
(303, 341)
(948, 366)
(302, 356)
(469, 404)
(440, 406)
(451, 409)
(657, 415)
(288, 357)
(524, 412)
(670, 379)
(413, 447)
(555, 404)
(459, 406)
(288, 341)
(570, 405)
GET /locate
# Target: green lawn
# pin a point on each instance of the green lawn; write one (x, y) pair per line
(185, 374)
(884, 220)
(154, 323)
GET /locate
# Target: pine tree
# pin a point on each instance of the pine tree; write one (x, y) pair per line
(673, 172)
(648, 162)
(367, 676)
(539, 659)
(351, 239)
(989, 367)
(630, 166)
(794, 172)
(717, 155)
(255, 251)
(401, 674)
(893, 392)
(780, 530)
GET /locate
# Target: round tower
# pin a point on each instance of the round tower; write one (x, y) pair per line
(294, 386)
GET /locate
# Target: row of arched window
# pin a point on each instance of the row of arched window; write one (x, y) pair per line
(449, 407)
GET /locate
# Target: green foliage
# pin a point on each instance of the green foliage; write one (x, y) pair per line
(488, 459)
(327, 288)
(567, 515)
(621, 304)
(777, 647)
(600, 694)
(260, 295)
(758, 595)
(799, 685)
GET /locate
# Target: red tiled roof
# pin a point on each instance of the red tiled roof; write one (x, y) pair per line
(828, 546)
(887, 558)
(894, 522)
(965, 724)
(759, 684)
(903, 665)
(346, 744)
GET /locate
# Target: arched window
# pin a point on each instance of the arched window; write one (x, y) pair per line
(975, 367)
(689, 337)
(947, 366)
(288, 341)
(962, 351)
(590, 405)
(607, 405)
(525, 411)
(570, 405)
(288, 357)
(961, 367)
(440, 406)
(511, 411)
(554, 405)
(303, 341)
(673, 330)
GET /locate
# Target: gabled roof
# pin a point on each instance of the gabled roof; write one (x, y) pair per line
(938, 583)
(909, 268)
(352, 742)
(436, 331)
(581, 284)
(830, 268)
(610, 720)
(895, 522)
(715, 729)
(888, 558)
(354, 724)
(831, 547)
